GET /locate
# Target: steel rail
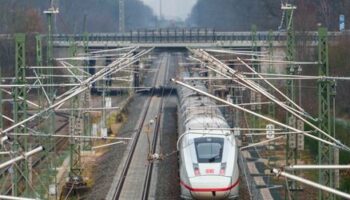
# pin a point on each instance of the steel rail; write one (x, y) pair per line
(119, 188)
(147, 181)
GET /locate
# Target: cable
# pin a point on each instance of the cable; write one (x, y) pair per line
(209, 58)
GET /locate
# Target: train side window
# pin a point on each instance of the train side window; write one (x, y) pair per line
(209, 149)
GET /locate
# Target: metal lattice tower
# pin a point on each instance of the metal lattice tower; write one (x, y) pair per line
(50, 90)
(75, 126)
(39, 55)
(39, 62)
(1, 112)
(87, 145)
(237, 95)
(105, 96)
(291, 146)
(50, 20)
(121, 16)
(255, 97)
(271, 107)
(325, 152)
(42, 190)
(20, 114)
(291, 71)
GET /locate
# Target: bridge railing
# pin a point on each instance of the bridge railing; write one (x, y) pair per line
(147, 36)
(190, 36)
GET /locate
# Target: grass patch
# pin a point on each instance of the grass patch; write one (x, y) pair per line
(342, 128)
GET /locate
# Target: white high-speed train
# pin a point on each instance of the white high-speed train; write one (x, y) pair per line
(207, 150)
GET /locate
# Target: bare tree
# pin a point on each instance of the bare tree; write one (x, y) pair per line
(33, 21)
(325, 10)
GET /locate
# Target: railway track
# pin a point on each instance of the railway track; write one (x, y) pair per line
(135, 177)
(156, 134)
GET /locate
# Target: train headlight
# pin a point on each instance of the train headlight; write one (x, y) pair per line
(196, 169)
(222, 169)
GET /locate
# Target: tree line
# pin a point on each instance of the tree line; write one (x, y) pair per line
(100, 16)
(236, 15)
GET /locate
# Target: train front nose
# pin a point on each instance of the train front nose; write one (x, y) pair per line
(211, 187)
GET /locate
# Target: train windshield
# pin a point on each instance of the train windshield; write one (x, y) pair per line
(209, 149)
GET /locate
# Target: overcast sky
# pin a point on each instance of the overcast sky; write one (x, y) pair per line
(172, 9)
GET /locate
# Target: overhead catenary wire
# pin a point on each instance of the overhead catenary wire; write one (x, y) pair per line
(69, 66)
(256, 78)
(113, 50)
(15, 198)
(21, 157)
(304, 167)
(29, 102)
(283, 62)
(277, 133)
(42, 87)
(223, 74)
(107, 70)
(238, 128)
(310, 183)
(71, 136)
(235, 73)
(248, 53)
(116, 66)
(261, 142)
(15, 165)
(300, 76)
(78, 88)
(89, 57)
(87, 109)
(71, 72)
(103, 72)
(240, 104)
(293, 111)
(272, 98)
(57, 67)
(107, 145)
(262, 116)
(11, 120)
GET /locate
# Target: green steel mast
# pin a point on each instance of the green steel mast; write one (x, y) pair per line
(75, 126)
(325, 152)
(291, 144)
(87, 144)
(43, 188)
(20, 114)
(1, 102)
(50, 126)
(271, 106)
(255, 97)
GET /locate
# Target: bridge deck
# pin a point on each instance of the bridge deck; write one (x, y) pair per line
(186, 38)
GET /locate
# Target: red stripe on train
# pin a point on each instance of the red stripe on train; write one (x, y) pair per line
(209, 189)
